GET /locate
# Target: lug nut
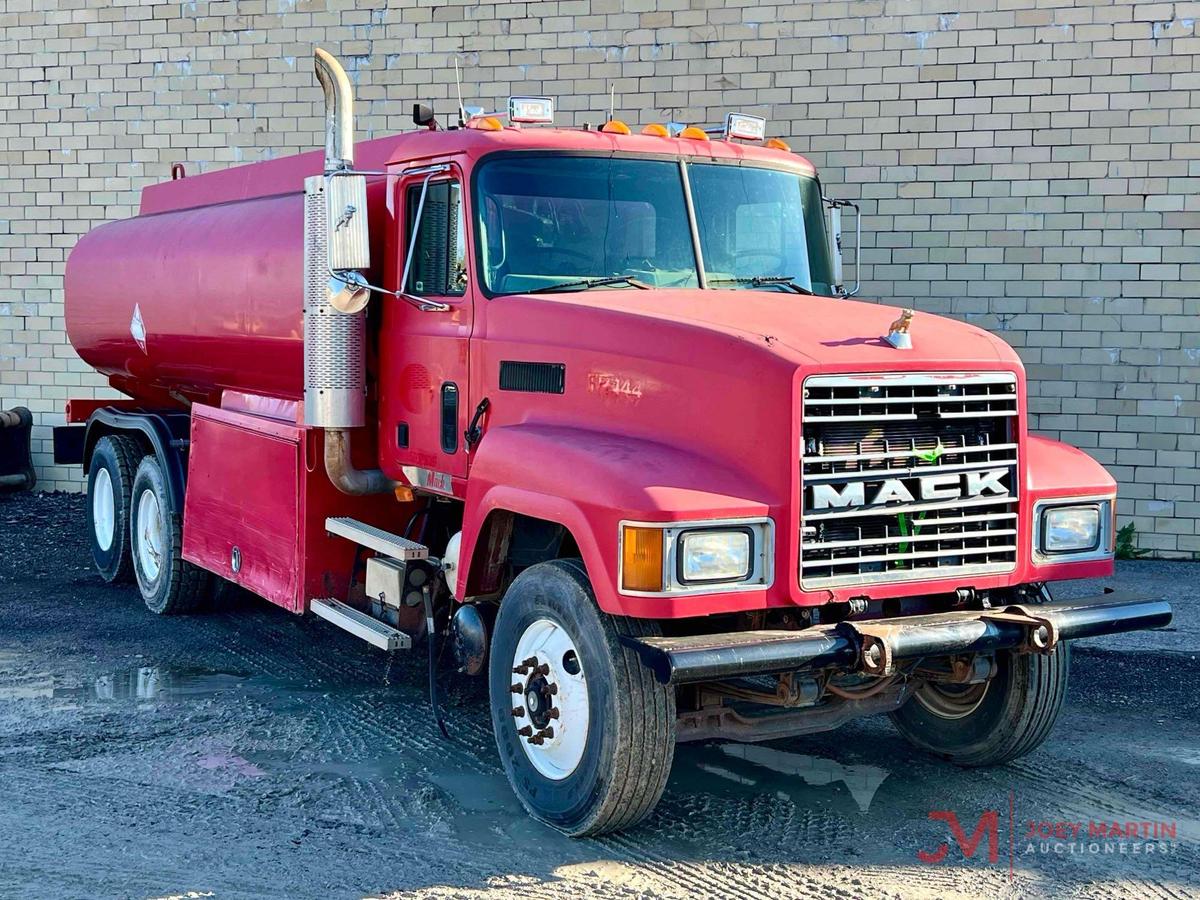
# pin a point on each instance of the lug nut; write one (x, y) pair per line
(546, 732)
(532, 661)
(518, 711)
(553, 714)
(520, 670)
(517, 688)
(552, 688)
(537, 739)
(543, 669)
(526, 731)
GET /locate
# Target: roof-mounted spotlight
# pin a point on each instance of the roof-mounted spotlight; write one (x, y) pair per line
(744, 127)
(531, 110)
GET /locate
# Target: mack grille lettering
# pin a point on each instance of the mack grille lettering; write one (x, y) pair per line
(908, 476)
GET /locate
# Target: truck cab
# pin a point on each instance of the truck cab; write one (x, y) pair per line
(596, 409)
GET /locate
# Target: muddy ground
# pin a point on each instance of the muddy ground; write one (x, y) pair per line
(249, 753)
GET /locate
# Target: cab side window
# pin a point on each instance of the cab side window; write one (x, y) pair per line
(439, 265)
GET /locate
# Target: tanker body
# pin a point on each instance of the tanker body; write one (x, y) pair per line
(594, 408)
(212, 265)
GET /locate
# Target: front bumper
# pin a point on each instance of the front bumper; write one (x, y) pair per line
(876, 647)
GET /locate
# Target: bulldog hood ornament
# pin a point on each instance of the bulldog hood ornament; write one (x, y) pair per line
(898, 335)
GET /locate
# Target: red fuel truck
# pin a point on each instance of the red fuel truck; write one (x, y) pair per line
(594, 407)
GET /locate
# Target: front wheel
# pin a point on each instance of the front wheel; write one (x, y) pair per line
(994, 722)
(585, 733)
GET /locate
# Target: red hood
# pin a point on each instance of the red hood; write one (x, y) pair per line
(832, 333)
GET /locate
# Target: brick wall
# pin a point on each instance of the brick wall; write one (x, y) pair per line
(1028, 165)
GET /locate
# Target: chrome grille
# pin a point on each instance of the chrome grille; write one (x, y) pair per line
(907, 477)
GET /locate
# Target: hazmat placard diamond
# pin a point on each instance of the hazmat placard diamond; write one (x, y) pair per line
(137, 327)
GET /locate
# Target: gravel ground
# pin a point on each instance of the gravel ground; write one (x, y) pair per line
(251, 753)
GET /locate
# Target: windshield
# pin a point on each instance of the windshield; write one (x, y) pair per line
(577, 222)
(554, 219)
(758, 224)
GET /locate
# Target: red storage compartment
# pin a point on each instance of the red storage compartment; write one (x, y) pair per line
(256, 503)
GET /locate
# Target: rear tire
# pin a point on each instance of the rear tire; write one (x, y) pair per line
(110, 485)
(993, 723)
(606, 763)
(169, 585)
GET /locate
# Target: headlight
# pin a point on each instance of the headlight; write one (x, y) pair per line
(714, 555)
(696, 557)
(1071, 529)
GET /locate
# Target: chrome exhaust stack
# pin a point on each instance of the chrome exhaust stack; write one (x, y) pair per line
(336, 249)
(339, 112)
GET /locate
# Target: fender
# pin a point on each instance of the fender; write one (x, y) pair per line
(166, 432)
(1053, 470)
(588, 481)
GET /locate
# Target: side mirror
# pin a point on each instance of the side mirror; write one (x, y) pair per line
(422, 115)
(835, 243)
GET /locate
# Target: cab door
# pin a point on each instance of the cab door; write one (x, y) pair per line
(424, 355)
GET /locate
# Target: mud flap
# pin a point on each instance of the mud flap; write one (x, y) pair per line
(16, 464)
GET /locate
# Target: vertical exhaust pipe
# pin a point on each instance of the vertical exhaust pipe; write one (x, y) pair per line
(339, 111)
(335, 341)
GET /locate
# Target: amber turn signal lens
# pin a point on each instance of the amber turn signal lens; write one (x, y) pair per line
(656, 130)
(486, 123)
(641, 559)
(696, 134)
(777, 144)
(615, 126)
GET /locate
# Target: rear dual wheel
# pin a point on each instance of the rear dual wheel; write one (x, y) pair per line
(585, 733)
(134, 533)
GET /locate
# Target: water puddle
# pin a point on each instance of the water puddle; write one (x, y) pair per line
(754, 769)
(143, 683)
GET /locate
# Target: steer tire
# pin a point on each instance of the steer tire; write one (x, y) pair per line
(626, 752)
(1013, 714)
(110, 473)
(168, 584)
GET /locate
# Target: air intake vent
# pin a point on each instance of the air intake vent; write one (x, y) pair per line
(533, 377)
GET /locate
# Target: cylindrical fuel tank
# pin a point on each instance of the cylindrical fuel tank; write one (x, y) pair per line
(194, 300)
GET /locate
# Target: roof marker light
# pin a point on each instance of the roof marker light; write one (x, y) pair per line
(615, 126)
(531, 110)
(744, 127)
(694, 133)
(777, 144)
(485, 123)
(656, 130)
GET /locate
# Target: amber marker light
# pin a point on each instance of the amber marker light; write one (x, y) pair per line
(777, 144)
(641, 558)
(654, 129)
(694, 133)
(615, 126)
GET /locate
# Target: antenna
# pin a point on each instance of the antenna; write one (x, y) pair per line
(612, 100)
(462, 112)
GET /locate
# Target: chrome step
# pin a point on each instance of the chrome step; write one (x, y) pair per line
(382, 542)
(382, 635)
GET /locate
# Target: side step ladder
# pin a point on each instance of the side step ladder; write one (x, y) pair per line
(346, 617)
(380, 634)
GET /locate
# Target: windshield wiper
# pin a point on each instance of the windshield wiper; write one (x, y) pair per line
(586, 284)
(785, 281)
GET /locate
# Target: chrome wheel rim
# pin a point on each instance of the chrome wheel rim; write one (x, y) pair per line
(952, 701)
(149, 536)
(550, 699)
(104, 510)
